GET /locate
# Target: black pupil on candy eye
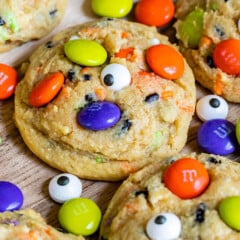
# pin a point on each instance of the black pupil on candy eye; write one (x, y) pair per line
(63, 180)
(215, 103)
(109, 79)
(160, 219)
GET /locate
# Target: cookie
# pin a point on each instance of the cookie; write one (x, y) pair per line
(176, 200)
(28, 224)
(109, 119)
(28, 20)
(209, 35)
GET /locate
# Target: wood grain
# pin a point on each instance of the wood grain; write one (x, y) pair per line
(20, 166)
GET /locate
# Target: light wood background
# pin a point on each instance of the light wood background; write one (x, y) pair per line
(20, 166)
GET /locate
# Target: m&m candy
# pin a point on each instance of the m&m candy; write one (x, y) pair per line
(186, 177)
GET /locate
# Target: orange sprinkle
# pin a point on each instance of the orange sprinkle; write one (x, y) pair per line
(167, 94)
(100, 93)
(125, 53)
(205, 41)
(127, 167)
(84, 70)
(125, 35)
(218, 86)
(131, 208)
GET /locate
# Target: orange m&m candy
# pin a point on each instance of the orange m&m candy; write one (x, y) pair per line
(8, 81)
(154, 12)
(46, 89)
(226, 56)
(165, 61)
(187, 178)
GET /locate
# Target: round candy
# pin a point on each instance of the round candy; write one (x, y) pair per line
(85, 52)
(211, 107)
(112, 9)
(226, 56)
(64, 187)
(155, 12)
(8, 81)
(191, 27)
(46, 89)
(165, 61)
(99, 115)
(165, 226)
(217, 136)
(229, 211)
(11, 197)
(116, 76)
(80, 216)
(187, 178)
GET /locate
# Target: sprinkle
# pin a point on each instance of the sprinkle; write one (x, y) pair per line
(71, 74)
(157, 139)
(99, 159)
(214, 7)
(210, 61)
(200, 212)
(152, 98)
(53, 12)
(49, 44)
(2, 22)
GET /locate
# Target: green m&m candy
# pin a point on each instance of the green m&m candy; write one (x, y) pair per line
(80, 216)
(190, 30)
(85, 52)
(112, 8)
(229, 211)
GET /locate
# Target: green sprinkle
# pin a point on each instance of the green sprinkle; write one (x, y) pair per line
(99, 159)
(214, 7)
(11, 21)
(157, 139)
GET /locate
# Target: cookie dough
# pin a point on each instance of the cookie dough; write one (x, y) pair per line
(146, 194)
(148, 116)
(28, 224)
(23, 21)
(201, 26)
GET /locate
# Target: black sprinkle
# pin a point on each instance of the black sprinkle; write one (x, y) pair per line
(200, 212)
(126, 125)
(160, 219)
(152, 98)
(86, 77)
(63, 180)
(71, 74)
(109, 79)
(213, 160)
(49, 44)
(2, 22)
(225, 0)
(53, 12)
(214, 102)
(219, 31)
(210, 62)
(143, 192)
(110, 19)
(90, 97)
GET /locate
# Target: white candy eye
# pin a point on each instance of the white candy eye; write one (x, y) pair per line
(211, 107)
(165, 226)
(64, 187)
(116, 76)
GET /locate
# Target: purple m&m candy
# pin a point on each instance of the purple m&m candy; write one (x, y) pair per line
(99, 115)
(11, 197)
(217, 136)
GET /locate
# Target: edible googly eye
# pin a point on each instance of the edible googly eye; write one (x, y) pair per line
(64, 187)
(211, 107)
(165, 226)
(116, 76)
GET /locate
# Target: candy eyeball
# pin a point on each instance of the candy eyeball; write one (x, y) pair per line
(116, 76)
(211, 107)
(64, 187)
(164, 226)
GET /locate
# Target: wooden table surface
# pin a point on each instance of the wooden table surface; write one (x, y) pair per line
(20, 166)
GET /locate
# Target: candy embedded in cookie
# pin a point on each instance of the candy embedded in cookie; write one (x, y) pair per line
(208, 32)
(43, 15)
(145, 208)
(105, 111)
